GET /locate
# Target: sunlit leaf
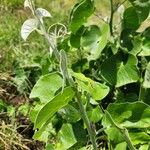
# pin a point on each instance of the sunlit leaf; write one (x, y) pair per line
(80, 14)
(132, 116)
(50, 108)
(66, 137)
(46, 87)
(97, 90)
(95, 39)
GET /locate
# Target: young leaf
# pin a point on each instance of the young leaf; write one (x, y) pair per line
(46, 87)
(28, 26)
(146, 83)
(59, 101)
(42, 13)
(80, 14)
(66, 137)
(27, 3)
(97, 90)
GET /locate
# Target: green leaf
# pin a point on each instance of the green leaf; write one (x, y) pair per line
(142, 8)
(144, 147)
(95, 114)
(44, 133)
(94, 40)
(50, 108)
(121, 146)
(97, 90)
(34, 111)
(146, 83)
(117, 72)
(80, 14)
(76, 38)
(46, 87)
(66, 137)
(137, 45)
(145, 48)
(70, 114)
(132, 116)
(131, 19)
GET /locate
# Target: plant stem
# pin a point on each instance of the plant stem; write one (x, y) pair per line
(72, 84)
(86, 121)
(111, 17)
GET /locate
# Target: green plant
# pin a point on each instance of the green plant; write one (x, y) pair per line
(104, 88)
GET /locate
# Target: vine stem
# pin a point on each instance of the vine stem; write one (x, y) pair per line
(83, 113)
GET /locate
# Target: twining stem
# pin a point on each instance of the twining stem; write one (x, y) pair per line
(72, 84)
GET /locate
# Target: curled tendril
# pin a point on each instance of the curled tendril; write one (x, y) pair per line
(57, 30)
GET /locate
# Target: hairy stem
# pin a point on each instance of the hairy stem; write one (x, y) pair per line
(72, 84)
(86, 121)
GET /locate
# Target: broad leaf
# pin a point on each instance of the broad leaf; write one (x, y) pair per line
(133, 116)
(80, 14)
(75, 38)
(70, 114)
(46, 87)
(146, 83)
(97, 90)
(66, 137)
(118, 72)
(131, 19)
(142, 8)
(95, 114)
(28, 27)
(50, 108)
(94, 40)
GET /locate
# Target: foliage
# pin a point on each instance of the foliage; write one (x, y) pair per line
(106, 101)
